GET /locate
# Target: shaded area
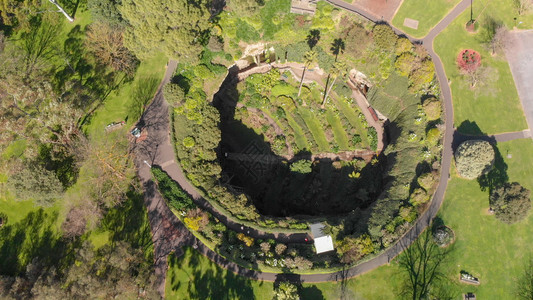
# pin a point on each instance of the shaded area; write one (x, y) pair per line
(199, 278)
(251, 167)
(35, 236)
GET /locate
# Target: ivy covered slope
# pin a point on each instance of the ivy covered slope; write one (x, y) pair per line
(317, 153)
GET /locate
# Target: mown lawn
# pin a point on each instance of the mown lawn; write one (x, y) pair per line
(493, 105)
(116, 106)
(428, 13)
(193, 276)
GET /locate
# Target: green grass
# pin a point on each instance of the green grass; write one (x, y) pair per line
(115, 107)
(428, 13)
(315, 128)
(193, 276)
(299, 135)
(353, 119)
(338, 130)
(495, 107)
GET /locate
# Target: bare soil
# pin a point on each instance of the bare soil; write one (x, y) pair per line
(384, 9)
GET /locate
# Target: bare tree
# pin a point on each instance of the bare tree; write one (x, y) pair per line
(500, 40)
(421, 267)
(106, 42)
(61, 10)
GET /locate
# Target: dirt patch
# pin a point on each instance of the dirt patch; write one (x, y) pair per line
(384, 9)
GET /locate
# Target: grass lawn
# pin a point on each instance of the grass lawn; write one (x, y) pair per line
(354, 120)
(338, 130)
(494, 106)
(115, 107)
(193, 276)
(428, 13)
(299, 135)
(316, 129)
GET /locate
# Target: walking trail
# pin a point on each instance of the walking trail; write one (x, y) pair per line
(170, 235)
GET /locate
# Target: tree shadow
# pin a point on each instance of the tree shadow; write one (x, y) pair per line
(129, 222)
(312, 38)
(206, 280)
(497, 176)
(34, 237)
(143, 91)
(468, 127)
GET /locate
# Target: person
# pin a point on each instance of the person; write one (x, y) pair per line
(306, 239)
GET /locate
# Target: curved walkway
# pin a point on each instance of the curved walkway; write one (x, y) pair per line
(170, 235)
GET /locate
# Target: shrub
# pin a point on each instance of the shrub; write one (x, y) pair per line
(443, 236)
(280, 248)
(265, 247)
(433, 136)
(422, 75)
(286, 291)
(302, 166)
(203, 72)
(173, 94)
(419, 196)
(474, 158)
(352, 249)
(188, 142)
(510, 202)
(384, 37)
(432, 109)
(298, 263)
(248, 241)
(426, 181)
(405, 63)
(373, 138)
(171, 191)
(403, 45)
(468, 60)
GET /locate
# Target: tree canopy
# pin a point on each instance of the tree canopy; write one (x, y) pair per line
(511, 202)
(474, 158)
(174, 27)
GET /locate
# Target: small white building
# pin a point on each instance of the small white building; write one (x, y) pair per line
(323, 242)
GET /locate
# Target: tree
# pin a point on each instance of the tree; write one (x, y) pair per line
(302, 166)
(106, 43)
(510, 202)
(432, 108)
(16, 13)
(106, 11)
(384, 37)
(338, 70)
(421, 267)
(522, 6)
(524, 283)
(174, 27)
(61, 10)
(500, 39)
(286, 291)
(356, 39)
(469, 62)
(309, 58)
(36, 183)
(474, 158)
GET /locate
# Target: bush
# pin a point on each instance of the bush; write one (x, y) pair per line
(302, 166)
(403, 45)
(188, 142)
(373, 138)
(511, 202)
(423, 75)
(427, 180)
(286, 291)
(280, 248)
(173, 93)
(384, 37)
(419, 196)
(171, 191)
(443, 236)
(474, 158)
(405, 63)
(432, 109)
(248, 241)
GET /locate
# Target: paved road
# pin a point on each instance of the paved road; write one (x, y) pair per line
(520, 59)
(170, 235)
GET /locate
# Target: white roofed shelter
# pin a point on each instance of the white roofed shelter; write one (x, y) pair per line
(323, 242)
